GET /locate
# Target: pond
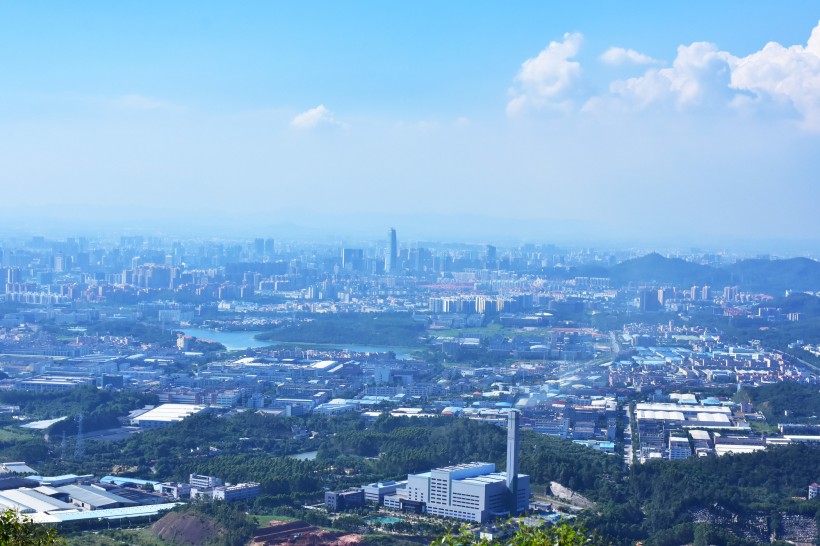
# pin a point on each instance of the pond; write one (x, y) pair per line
(237, 341)
(306, 456)
(384, 520)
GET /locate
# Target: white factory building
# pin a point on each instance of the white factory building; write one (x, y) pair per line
(471, 491)
(165, 414)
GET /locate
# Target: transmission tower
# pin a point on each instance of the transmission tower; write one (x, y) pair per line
(79, 446)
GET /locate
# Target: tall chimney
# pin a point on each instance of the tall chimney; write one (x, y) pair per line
(512, 459)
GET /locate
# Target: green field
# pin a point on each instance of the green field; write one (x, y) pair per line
(14, 433)
(267, 518)
(132, 537)
(492, 330)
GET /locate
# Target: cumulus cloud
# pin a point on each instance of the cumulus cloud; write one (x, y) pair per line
(776, 78)
(702, 77)
(618, 56)
(548, 80)
(313, 118)
(699, 77)
(783, 76)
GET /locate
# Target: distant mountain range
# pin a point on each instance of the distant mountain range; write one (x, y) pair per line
(768, 276)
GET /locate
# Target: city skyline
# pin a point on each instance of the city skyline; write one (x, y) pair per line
(414, 272)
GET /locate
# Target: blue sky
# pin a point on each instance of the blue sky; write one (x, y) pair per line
(441, 117)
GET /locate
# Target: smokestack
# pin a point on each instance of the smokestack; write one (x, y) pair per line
(512, 459)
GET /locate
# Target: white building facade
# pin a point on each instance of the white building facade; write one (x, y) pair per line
(471, 491)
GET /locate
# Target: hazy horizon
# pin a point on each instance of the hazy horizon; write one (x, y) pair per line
(686, 124)
(413, 231)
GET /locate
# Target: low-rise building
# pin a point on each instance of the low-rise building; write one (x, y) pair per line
(201, 481)
(375, 492)
(679, 448)
(91, 498)
(175, 490)
(336, 501)
(166, 414)
(54, 383)
(237, 492)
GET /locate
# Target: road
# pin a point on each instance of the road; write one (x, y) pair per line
(800, 360)
(616, 347)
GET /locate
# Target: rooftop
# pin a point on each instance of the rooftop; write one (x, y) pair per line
(170, 412)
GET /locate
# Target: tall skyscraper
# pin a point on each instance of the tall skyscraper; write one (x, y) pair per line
(491, 259)
(258, 247)
(352, 259)
(392, 255)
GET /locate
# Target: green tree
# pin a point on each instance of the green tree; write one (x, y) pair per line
(558, 535)
(21, 531)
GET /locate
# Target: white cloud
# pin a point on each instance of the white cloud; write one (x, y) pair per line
(618, 56)
(313, 118)
(777, 80)
(784, 77)
(550, 79)
(698, 78)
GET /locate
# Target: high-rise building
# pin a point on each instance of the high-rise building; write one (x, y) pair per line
(60, 263)
(392, 255)
(649, 300)
(352, 259)
(258, 247)
(492, 257)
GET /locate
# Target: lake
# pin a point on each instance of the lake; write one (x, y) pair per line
(233, 341)
(306, 456)
(237, 341)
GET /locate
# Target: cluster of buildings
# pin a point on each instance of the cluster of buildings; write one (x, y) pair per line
(210, 488)
(231, 280)
(472, 491)
(73, 498)
(561, 377)
(696, 360)
(688, 427)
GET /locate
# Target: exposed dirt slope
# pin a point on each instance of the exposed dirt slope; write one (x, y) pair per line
(187, 529)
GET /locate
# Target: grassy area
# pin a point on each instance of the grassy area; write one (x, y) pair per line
(762, 427)
(329, 346)
(14, 433)
(267, 518)
(490, 330)
(131, 537)
(382, 330)
(392, 540)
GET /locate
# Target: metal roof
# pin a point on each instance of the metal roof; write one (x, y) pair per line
(170, 412)
(110, 513)
(36, 500)
(93, 497)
